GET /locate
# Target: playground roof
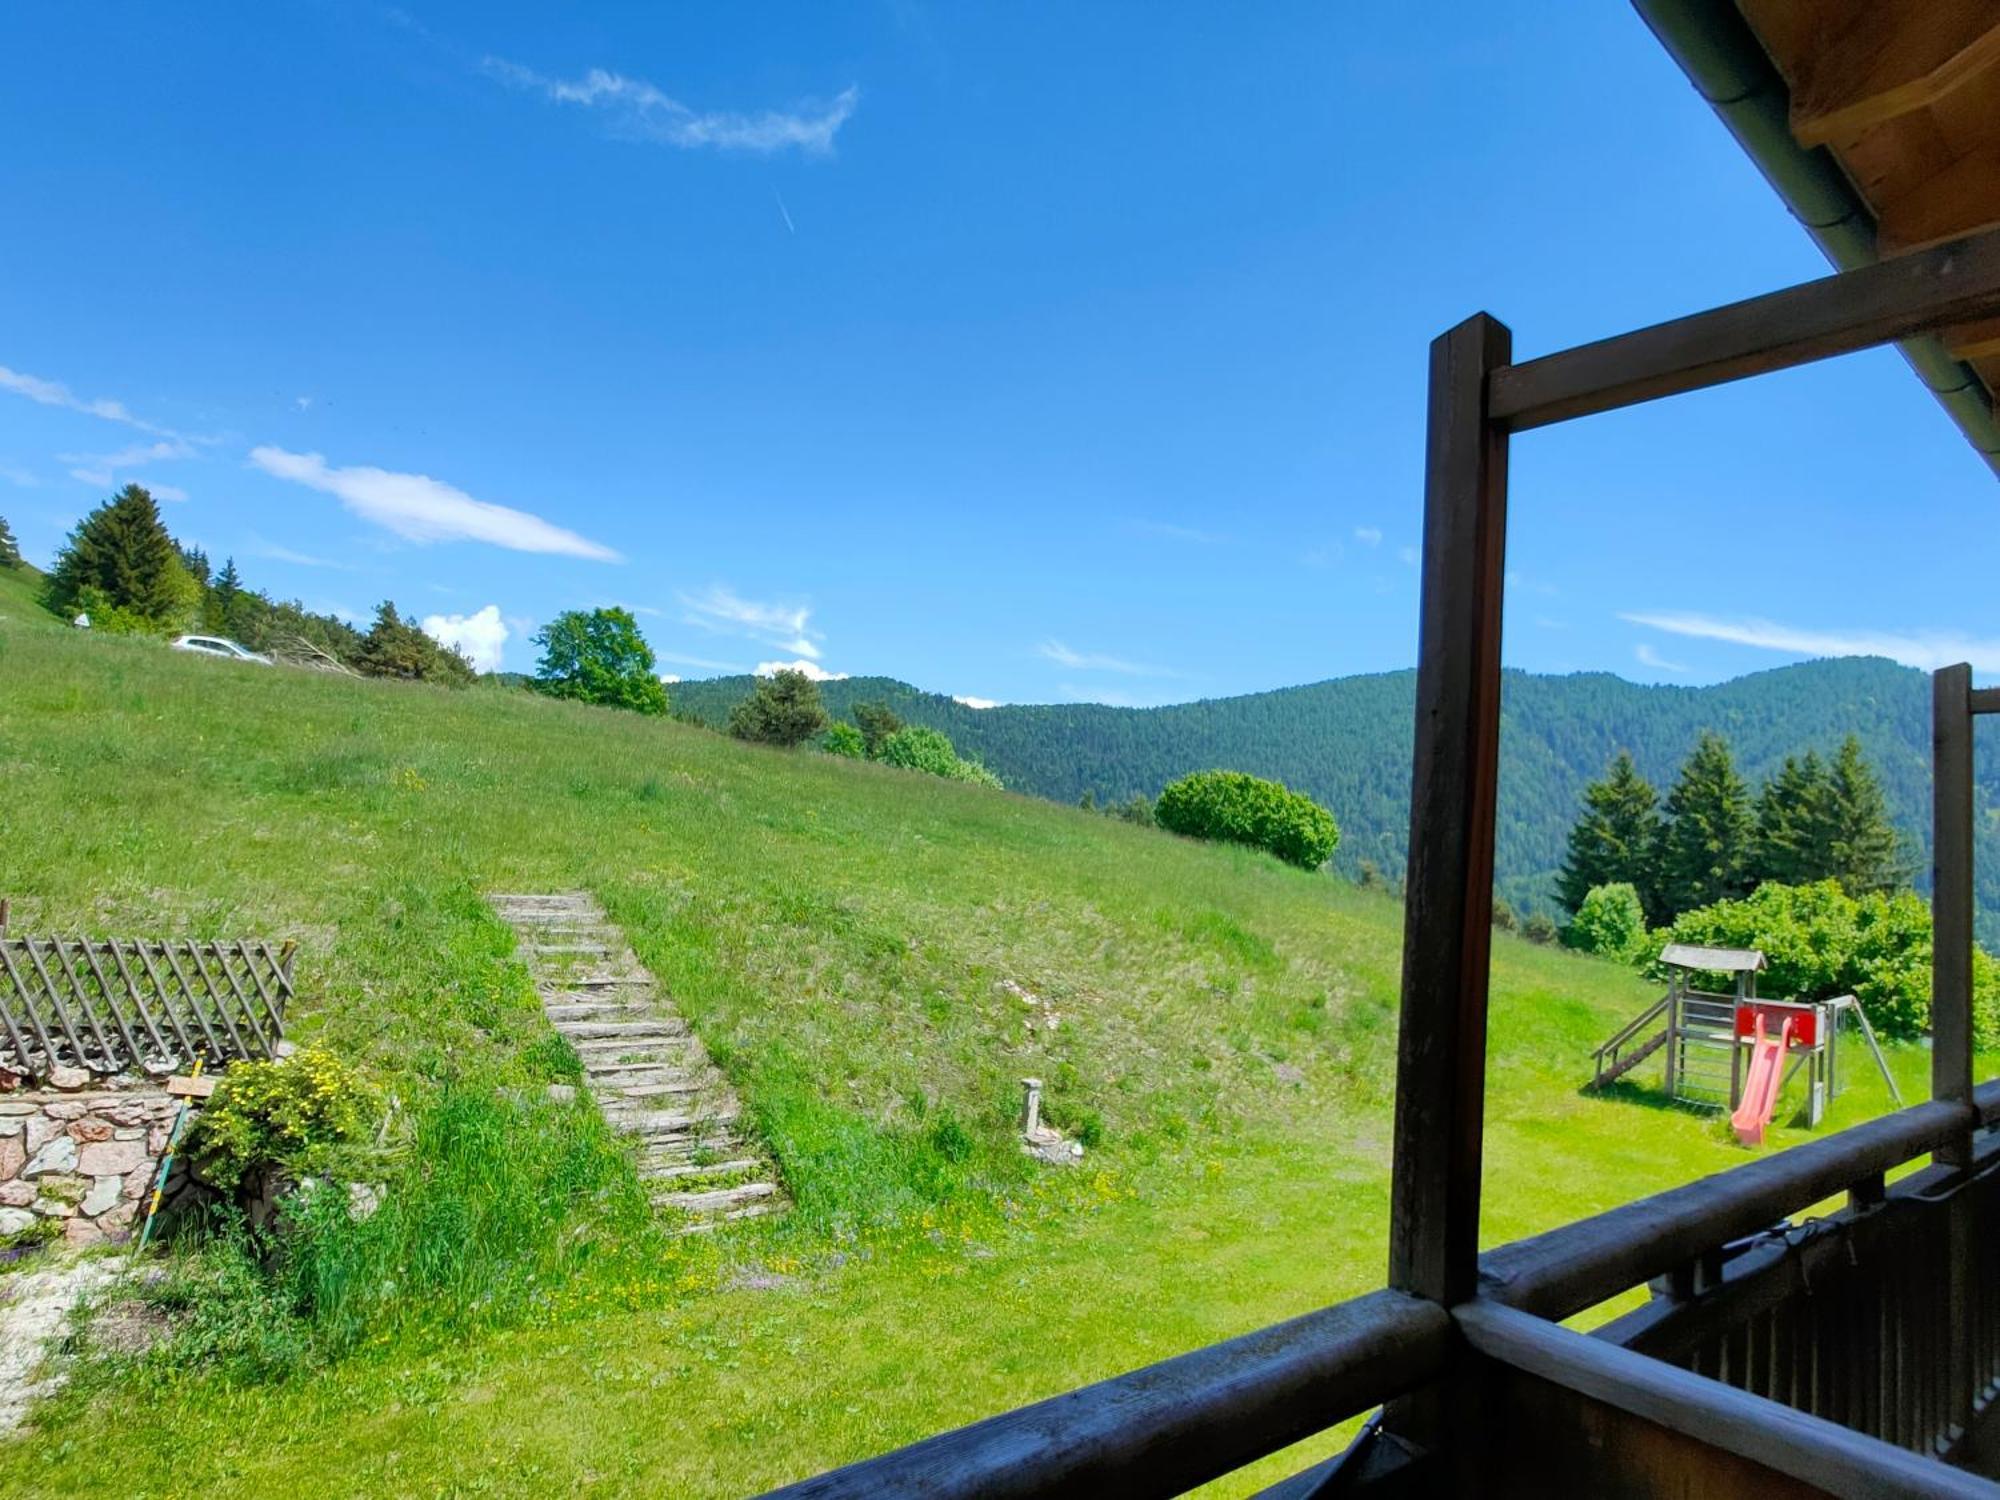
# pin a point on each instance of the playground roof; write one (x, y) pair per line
(1712, 960)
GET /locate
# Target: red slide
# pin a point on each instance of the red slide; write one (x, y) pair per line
(1760, 1089)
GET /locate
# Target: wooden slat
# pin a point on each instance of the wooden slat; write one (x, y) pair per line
(1960, 199)
(271, 1006)
(216, 1051)
(137, 992)
(81, 1053)
(194, 1001)
(1969, 341)
(1448, 905)
(1951, 895)
(34, 1017)
(1894, 57)
(1897, 299)
(63, 956)
(1840, 1461)
(236, 988)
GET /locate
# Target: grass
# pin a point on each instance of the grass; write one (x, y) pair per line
(1221, 1026)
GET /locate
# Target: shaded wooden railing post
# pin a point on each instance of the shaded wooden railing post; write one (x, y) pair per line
(1951, 894)
(1448, 905)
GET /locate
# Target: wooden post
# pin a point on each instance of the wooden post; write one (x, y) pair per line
(1951, 895)
(1448, 905)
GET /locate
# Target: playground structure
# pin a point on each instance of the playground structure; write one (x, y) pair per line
(1737, 1051)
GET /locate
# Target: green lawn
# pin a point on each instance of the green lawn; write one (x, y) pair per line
(837, 932)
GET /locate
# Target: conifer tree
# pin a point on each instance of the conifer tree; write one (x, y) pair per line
(1616, 840)
(219, 608)
(121, 553)
(1792, 812)
(1706, 847)
(784, 709)
(10, 550)
(1864, 850)
(395, 648)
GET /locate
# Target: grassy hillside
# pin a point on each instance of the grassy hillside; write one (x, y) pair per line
(1347, 743)
(837, 933)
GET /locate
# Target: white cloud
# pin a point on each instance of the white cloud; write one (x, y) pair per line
(480, 635)
(810, 669)
(638, 109)
(55, 393)
(300, 403)
(18, 476)
(166, 492)
(698, 661)
(1925, 649)
(1368, 536)
(1170, 532)
(299, 559)
(971, 702)
(1097, 661)
(670, 677)
(1648, 657)
(785, 626)
(421, 509)
(1408, 554)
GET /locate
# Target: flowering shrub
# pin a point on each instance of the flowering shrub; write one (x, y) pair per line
(293, 1114)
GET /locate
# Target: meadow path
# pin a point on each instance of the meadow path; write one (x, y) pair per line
(648, 1072)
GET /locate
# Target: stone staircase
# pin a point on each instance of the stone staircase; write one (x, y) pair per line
(648, 1073)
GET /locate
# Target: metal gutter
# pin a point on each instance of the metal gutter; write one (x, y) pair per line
(1729, 68)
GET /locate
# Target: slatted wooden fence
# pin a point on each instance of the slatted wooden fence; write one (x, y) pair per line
(112, 1005)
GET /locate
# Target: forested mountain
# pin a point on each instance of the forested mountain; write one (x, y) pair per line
(1347, 743)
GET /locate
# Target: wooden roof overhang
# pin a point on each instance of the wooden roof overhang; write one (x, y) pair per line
(1878, 123)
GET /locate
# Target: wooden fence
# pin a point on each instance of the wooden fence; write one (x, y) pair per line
(113, 1005)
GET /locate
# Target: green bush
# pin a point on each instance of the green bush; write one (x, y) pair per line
(844, 740)
(915, 748)
(1821, 942)
(1610, 920)
(1243, 809)
(295, 1114)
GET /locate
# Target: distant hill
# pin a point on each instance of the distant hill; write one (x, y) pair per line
(1347, 743)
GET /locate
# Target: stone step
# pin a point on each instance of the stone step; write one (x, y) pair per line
(712, 1200)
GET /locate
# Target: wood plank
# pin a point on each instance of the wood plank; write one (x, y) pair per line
(1448, 905)
(1836, 1459)
(1969, 341)
(1890, 60)
(1951, 896)
(1960, 199)
(1897, 299)
(183, 1086)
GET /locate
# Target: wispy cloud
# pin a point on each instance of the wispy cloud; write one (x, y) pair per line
(1408, 556)
(418, 508)
(1368, 536)
(301, 403)
(703, 662)
(166, 492)
(102, 468)
(638, 109)
(721, 608)
(1098, 661)
(55, 393)
(1169, 531)
(481, 635)
(1648, 657)
(1924, 649)
(18, 476)
(810, 669)
(277, 553)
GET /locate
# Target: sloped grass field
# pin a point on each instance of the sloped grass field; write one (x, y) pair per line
(514, 1322)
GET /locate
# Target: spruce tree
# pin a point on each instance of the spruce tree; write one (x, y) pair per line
(1615, 841)
(1706, 847)
(1792, 811)
(10, 550)
(1864, 850)
(121, 553)
(219, 605)
(395, 648)
(784, 709)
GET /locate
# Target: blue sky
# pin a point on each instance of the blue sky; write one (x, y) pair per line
(1027, 353)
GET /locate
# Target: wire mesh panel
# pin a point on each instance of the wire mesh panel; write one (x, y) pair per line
(113, 1005)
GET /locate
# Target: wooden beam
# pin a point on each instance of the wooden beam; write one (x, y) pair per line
(1175, 1425)
(1894, 57)
(1896, 299)
(1971, 341)
(1951, 896)
(1448, 905)
(1833, 1458)
(1960, 199)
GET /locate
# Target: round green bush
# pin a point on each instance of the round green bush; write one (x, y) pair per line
(1610, 921)
(1241, 809)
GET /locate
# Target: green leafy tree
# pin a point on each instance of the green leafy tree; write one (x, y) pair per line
(844, 740)
(1610, 920)
(1865, 852)
(930, 750)
(1706, 846)
(783, 709)
(121, 556)
(395, 648)
(10, 550)
(1792, 823)
(599, 656)
(877, 721)
(1616, 841)
(1244, 809)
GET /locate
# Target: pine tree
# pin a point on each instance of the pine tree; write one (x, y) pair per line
(121, 554)
(1792, 810)
(1616, 839)
(784, 709)
(219, 608)
(1706, 846)
(1864, 850)
(10, 550)
(395, 648)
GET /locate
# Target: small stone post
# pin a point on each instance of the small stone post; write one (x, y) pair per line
(1031, 1107)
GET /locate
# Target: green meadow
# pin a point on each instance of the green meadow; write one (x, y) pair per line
(1218, 1028)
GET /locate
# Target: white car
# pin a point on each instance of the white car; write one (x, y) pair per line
(222, 646)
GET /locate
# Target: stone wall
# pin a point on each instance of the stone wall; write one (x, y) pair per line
(86, 1160)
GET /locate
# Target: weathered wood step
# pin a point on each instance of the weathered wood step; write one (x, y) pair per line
(709, 1200)
(651, 1124)
(599, 1010)
(662, 1027)
(697, 1169)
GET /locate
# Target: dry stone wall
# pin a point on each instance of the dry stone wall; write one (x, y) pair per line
(85, 1161)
